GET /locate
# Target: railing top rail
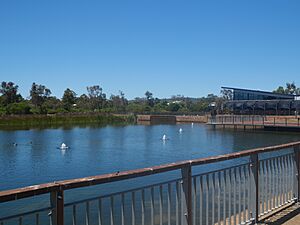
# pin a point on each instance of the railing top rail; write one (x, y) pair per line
(29, 191)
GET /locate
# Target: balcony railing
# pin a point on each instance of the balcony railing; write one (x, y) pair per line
(236, 188)
(255, 120)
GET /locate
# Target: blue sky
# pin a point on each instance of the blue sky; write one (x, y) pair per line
(167, 47)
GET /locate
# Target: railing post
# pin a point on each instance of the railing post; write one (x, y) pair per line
(57, 205)
(186, 172)
(254, 175)
(297, 160)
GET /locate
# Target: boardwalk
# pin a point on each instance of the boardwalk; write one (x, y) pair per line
(288, 216)
(256, 122)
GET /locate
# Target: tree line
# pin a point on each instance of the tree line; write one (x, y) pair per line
(41, 101)
(290, 88)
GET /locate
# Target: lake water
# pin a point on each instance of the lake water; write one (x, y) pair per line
(98, 150)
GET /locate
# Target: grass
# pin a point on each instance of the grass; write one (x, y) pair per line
(65, 120)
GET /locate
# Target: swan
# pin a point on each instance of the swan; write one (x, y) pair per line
(180, 130)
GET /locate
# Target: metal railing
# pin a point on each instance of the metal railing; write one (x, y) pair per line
(260, 182)
(255, 120)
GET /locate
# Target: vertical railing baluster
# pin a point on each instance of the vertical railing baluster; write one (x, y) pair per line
(262, 189)
(112, 222)
(87, 213)
(194, 199)
(291, 176)
(74, 215)
(201, 199)
(297, 170)
(143, 206)
(160, 205)
(224, 196)
(213, 188)
(37, 219)
(249, 194)
(280, 180)
(169, 203)
(269, 186)
(239, 180)
(133, 208)
(255, 179)
(206, 198)
(234, 195)
(152, 206)
(20, 220)
(219, 197)
(57, 205)
(100, 211)
(244, 193)
(265, 187)
(177, 197)
(187, 195)
(272, 161)
(229, 194)
(123, 209)
(285, 180)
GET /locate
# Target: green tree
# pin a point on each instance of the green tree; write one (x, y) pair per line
(9, 93)
(290, 88)
(96, 96)
(150, 99)
(38, 94)
(68, 99)
(19, 108)
(53, 105)
(119, 102)
(279, 90)
(227, 94)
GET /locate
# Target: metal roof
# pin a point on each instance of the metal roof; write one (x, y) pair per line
(261, 92)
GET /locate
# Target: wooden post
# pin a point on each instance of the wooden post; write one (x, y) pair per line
(57, 205)
(255, 172)
(297, 160)
(186, 172)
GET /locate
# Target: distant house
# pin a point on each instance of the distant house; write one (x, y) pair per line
(247, 101)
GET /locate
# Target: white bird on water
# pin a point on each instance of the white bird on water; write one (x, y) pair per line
(180, 130)
(164, 137)
(63, 146)
(192, 124)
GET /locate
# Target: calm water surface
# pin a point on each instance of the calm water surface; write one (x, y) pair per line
(36, 158)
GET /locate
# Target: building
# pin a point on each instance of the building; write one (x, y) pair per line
(247, 101)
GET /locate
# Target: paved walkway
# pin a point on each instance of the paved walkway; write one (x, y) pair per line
(289, 216)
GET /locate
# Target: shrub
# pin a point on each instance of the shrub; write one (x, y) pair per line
(18, 108)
